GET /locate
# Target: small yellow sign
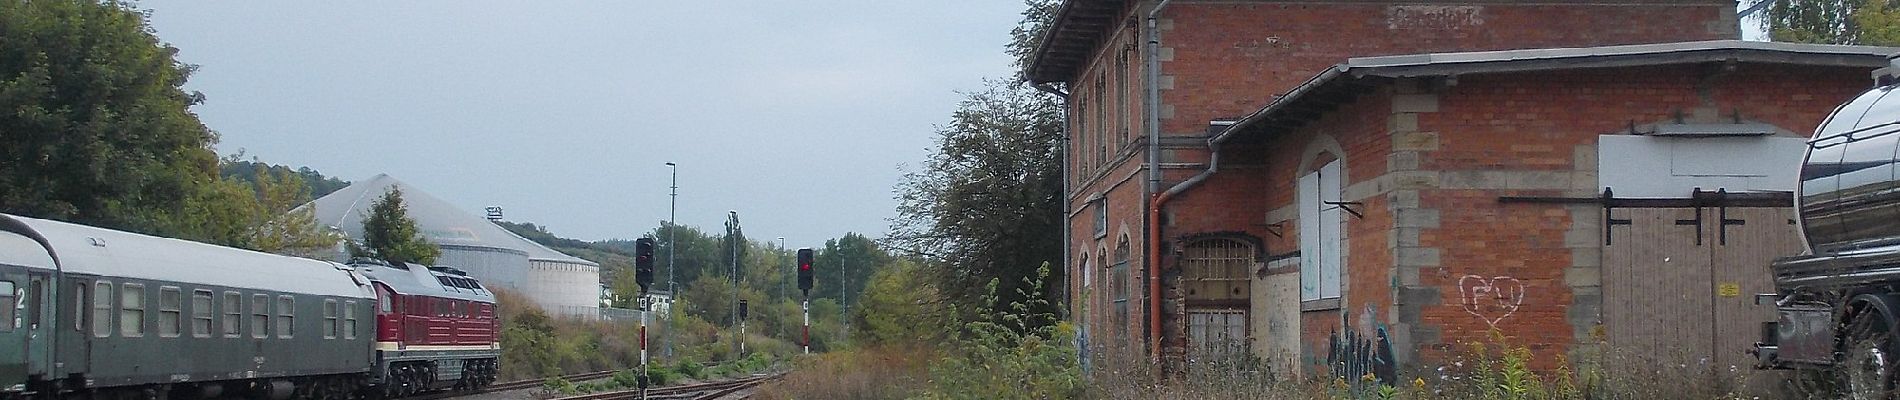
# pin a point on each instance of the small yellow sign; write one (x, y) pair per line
(1727, 289)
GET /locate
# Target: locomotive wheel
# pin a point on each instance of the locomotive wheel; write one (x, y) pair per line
(1868, 359)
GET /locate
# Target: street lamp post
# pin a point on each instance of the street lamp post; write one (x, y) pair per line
(781, 282)
(671, 211)
(733, 244)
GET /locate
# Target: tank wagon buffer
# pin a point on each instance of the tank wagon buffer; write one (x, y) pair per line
(1838, 303)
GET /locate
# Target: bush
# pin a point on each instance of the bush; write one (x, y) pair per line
(1011, 352)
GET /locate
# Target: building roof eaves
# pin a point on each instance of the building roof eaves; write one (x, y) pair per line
(1062, 36)
(1342, 75)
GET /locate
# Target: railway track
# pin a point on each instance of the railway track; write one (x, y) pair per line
(698, 391)
(512, 385)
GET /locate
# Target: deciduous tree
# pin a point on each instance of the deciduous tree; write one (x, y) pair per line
(389, 234)
(95, 125)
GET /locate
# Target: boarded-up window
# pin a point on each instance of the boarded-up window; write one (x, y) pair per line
(1216, 336)
(1214, 273)
(1215, 270)
(1118, 286)
(1320, 259)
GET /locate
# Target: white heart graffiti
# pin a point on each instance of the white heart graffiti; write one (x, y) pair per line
(1491, 299)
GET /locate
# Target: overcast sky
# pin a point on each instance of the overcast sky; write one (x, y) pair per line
(796, 114)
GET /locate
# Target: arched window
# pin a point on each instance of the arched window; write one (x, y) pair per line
(1214, 275)
(1118, 286)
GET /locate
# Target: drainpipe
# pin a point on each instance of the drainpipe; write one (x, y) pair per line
(1062, 159)
(1154, 181)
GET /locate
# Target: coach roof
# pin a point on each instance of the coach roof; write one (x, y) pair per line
(109, 253)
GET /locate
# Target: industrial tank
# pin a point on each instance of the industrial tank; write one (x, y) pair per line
(1849, 199)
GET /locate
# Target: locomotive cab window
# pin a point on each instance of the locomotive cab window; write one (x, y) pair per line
(201, 313)
(286, 313)
(131, 310)
(382, 300)
(102, 309)
(168, 311)
(233, 312)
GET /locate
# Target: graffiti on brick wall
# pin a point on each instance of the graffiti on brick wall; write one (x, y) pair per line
(1491, 299)
(1433, 17)
(1352, 356)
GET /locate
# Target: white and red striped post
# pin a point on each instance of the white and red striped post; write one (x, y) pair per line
(806, 307)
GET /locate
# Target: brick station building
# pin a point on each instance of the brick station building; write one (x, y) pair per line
(1351, 187)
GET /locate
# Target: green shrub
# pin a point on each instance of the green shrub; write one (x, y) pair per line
(689, 368)
(1011, 352)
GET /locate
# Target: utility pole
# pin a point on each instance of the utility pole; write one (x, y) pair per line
(732, 242)
(781, 282)
(671, 211)
(844, 264)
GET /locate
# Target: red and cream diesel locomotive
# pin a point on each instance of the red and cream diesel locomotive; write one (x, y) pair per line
(436, 328)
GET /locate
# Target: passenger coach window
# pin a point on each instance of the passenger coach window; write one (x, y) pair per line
(329, 319)
(102, 309)
(168, 311)
(286, 312)
(349, 320)
(233, 312)
(35, 293)
(260, 316)
(79, 307)
(131, 310)
(7, 300)
(201, 313)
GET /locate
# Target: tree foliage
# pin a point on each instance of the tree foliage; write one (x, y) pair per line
(1862, 22)
(1028, 33)
(276, 224)
(314, 183)
(96, 124)
(986, 206)
(389, 234)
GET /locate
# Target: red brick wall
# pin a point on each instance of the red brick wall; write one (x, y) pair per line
(1231, 58)
(1502, 122)
(1226, 59)
(1528, 122)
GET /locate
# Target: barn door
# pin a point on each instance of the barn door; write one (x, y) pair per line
(1656, 286)
(1678, 282)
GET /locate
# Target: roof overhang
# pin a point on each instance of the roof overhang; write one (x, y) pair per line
(1077, 30)
(1342, 82)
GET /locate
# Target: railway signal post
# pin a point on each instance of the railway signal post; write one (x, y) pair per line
(804, 286)
(643, 275)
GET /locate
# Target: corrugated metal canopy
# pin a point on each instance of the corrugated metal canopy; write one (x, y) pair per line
(1341, 83)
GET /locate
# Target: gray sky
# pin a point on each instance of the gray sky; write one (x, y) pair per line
(796, 114)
